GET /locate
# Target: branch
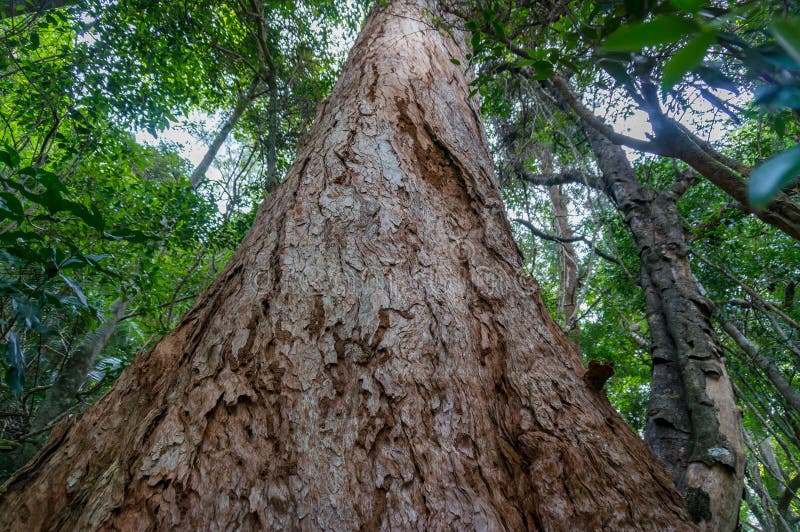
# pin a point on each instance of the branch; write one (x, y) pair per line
(752, 293)
(563, 240)
(762, 362)
(590, 118)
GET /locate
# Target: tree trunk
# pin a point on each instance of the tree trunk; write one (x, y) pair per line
(272, 134)
(372, 356)
(242, 103)
(567, 265)
(693, 423)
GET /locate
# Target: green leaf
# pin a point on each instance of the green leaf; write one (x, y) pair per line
(687, 58)
(690, 6)
(716, 79)
(544, 70)
(455, 61)
(10, 203)
(662, 30)
(636, 8)
(476, 41)
(9, 157)
(787, 34)
(77, 289)
(772, 175)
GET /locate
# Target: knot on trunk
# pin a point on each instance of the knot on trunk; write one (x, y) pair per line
(597, 374)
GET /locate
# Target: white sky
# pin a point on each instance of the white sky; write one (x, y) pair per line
(189, 146)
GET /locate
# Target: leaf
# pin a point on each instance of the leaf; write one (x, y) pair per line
(72, 262)
(9, 157)
(776, 97)
(686, 59)
(28, 314)
(662, 30)
(636, 8)
(15, 358)
(772, 175)
(455, 61)
(77, 289)
(716, 79)
(787, 34)
(10, 203)
(476, 41)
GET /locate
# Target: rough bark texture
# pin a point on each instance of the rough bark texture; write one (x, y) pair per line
(693, 423)
(373, 356)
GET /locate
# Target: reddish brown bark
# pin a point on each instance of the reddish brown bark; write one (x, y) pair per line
(373, 356)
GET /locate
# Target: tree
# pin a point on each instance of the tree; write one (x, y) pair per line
(372, 354)
(693, 423)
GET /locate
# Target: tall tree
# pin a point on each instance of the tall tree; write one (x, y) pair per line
(373, 355)
(693, 423)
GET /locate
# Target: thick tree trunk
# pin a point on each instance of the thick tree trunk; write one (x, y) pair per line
(373, 356)
(693, 423)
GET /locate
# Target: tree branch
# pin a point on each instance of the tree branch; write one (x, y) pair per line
(546, 236)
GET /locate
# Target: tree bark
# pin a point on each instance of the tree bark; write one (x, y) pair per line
(693, 423)
(272, 135)
(372, 356)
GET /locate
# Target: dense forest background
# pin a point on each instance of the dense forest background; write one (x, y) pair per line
(109, 231)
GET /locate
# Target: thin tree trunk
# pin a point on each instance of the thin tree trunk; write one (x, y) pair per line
(244, 101)
(567, 263)
(693, 423)
(76, 369)
(272, 134)
(373, 355)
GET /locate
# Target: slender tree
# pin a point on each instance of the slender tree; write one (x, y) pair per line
(372, 356)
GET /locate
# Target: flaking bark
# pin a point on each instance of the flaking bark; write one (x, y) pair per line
(372, 357)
